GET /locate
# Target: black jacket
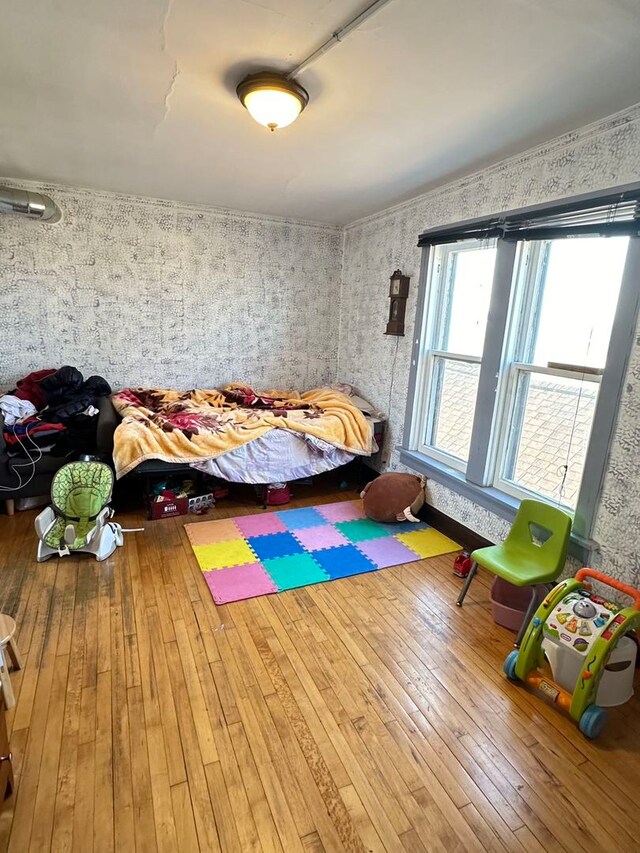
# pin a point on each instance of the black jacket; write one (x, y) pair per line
(67, 394)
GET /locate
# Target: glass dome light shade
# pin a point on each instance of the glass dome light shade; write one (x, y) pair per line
(271, 99)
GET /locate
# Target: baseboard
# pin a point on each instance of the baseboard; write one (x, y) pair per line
(469, 539)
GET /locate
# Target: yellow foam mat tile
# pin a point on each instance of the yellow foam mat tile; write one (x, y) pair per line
(428, 543)
(220, 555)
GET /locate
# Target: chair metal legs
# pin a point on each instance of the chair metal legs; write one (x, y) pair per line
(531, 609)
(467, 583)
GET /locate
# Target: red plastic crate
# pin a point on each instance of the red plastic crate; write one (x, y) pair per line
(167, 508)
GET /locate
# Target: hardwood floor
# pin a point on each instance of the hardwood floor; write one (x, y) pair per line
(363, 714)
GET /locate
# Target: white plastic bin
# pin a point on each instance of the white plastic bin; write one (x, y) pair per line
(616, 684)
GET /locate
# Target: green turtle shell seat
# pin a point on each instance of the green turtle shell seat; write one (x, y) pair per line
(78, 518)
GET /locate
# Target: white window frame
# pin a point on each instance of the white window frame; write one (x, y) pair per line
(429, 411)
(511, 382)
(476, 480)
(432, 341)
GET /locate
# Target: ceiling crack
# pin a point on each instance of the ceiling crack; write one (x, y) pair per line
(168, 94)
(176, 70)
(165, 22)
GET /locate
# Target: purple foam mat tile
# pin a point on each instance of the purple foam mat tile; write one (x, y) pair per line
(387, 552)
(318, 538)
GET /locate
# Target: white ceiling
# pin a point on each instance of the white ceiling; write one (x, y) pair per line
(138, 96)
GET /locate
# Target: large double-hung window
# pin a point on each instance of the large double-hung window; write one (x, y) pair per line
(458, 313)
(524, 331)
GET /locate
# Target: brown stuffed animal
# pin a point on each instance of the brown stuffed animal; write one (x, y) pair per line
(394, 497)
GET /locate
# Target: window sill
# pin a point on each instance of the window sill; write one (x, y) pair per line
(487, 497)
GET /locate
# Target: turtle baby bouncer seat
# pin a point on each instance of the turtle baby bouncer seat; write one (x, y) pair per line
(78, 518)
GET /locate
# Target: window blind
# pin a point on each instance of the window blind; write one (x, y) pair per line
(610, 215)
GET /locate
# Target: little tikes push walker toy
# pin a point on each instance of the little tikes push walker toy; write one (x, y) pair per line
(580, 622)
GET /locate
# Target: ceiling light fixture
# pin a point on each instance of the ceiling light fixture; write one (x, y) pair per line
(272, 99)
(276, 100)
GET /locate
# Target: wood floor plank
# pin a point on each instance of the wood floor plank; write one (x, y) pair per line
(413, 773)
(186, 834)
(194, 692)
(253, 718)
(126, 666)
(365, 714)
(44, 808)
(314, 802)
(123, 806)
(361, 820)
(311, 771)
(62, 838)
(90, 590)
(167, 702)
(411, 842)
(48, 627)
(414, 743)
(144, 825)
(219, 794)
(268, 836)
(203, 813)
(39, 603)
(83, 813)
(103, 807)
(469, 699)
(242, 816)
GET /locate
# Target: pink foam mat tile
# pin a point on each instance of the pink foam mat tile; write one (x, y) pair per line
(236, 583)
(260, 525)
(342, 511)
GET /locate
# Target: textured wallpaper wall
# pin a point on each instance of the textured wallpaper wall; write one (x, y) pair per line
(602, 155)
(152, 292)
(159, 293)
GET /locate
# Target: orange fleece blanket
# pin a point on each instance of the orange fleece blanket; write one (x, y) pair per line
(191, 426)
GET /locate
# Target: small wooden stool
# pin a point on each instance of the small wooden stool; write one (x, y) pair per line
(8, 649)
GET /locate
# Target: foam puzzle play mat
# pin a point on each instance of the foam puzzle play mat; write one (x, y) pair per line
(269, 552)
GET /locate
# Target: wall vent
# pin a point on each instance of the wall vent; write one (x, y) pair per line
(31, 205)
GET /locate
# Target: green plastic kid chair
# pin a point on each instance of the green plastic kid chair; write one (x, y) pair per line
(533, 553)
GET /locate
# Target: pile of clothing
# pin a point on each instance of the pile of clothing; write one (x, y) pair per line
(54, 410)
